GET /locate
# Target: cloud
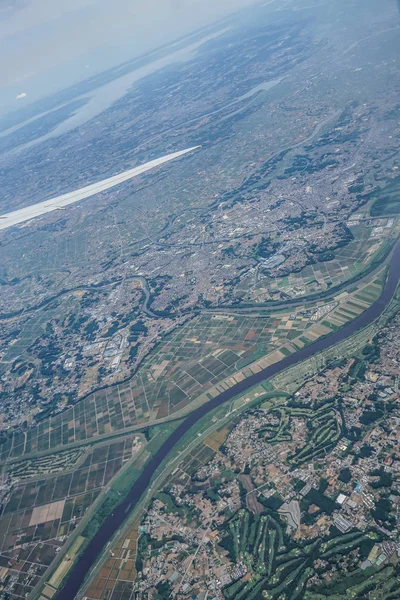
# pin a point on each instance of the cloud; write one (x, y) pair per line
(11, 5)
(21, 95)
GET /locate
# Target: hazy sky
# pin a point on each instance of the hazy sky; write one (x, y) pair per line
(46, 44)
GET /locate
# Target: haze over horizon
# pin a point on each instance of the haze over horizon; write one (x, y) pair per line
(49, 47)
(200, 300)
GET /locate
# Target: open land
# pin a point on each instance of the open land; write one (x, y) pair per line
(122, 315)
(204, 529)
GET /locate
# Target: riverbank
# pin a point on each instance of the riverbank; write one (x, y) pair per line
(113, 522)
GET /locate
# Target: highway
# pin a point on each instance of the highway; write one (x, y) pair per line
(60, 202)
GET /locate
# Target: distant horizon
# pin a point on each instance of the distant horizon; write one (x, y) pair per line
(23, 85)
(28, 104)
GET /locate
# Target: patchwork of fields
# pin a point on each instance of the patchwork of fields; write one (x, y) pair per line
(58, 477)
(372, 238)
(256, 541)
(43, 511)
(194, 363)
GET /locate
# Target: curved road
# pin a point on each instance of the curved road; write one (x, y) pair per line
(115, 520)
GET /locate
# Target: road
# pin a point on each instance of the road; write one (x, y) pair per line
(60, 202)
(310, 299)
(115, 520)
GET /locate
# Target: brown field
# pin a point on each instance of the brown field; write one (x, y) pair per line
(119, 567)
(216, 439)
(46, 513)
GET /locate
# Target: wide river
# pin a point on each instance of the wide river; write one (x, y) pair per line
(115, 520)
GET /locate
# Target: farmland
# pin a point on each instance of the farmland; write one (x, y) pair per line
(387, 202)
(168, 430)
(44, 510)
(207, 515)
(371, 239)
(191, 365)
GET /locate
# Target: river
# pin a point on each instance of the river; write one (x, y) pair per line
(115, 520)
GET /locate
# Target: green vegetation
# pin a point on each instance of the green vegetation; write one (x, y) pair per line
(345, 475)
(370, 583)
(372, 351)
(324, 429)
(336, 268)
(102, 512)
(388, 200)
(318, 498)
(277, 563)
(385, 478)
(124, 481)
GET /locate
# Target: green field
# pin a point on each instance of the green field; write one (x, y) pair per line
(388, 200)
